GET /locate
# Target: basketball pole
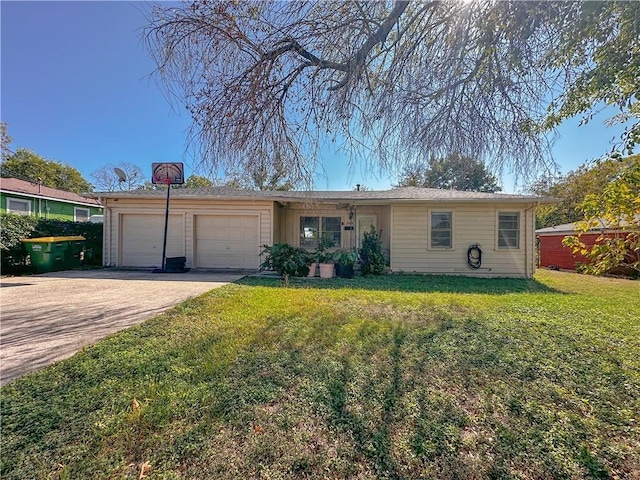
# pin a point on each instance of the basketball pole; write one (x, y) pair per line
(166, 225)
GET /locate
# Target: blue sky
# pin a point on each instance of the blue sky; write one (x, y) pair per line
(76, 88)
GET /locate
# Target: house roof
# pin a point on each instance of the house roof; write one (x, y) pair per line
(403, 194)
(566, 228)
(558, 229)
(15, 185)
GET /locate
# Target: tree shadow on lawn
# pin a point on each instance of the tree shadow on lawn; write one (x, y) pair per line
(412, 283)
(457, 399)
(450, 401)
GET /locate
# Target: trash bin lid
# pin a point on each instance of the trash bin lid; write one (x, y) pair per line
(52, 239)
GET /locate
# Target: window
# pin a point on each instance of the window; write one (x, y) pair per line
(19, 206)
(314, 228)
(81, 214)
(509, 230)
(441, 230)
(332, 228)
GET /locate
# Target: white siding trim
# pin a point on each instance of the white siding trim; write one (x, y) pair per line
(54, 199)
(106, 237)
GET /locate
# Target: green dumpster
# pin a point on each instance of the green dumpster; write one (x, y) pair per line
(52, 254)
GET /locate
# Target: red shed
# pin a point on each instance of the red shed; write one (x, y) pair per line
(554, 254)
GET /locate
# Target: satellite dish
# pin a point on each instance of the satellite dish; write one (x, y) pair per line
(122, 177)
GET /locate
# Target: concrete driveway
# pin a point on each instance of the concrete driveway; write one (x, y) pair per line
(48, 317)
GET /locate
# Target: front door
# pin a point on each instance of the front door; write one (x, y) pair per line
(364, 224)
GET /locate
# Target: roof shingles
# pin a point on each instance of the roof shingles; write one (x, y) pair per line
(396, 194)
(20, 186)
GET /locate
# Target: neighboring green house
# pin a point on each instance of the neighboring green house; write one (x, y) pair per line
(27, 198)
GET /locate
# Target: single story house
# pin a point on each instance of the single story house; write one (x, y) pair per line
(27, 198)
(553, 254)
(422, 230)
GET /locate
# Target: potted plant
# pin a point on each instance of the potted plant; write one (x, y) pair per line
(345, 261)
(325, 257)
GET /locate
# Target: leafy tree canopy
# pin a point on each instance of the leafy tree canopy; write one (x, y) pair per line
(198, 181)
(27, 165)
(455, 171)
(391, 81)
(599, 54)
(590, 178)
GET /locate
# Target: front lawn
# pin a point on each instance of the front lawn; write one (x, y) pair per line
(392, 377)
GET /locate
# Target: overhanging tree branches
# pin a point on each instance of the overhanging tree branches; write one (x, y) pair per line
(387, 82)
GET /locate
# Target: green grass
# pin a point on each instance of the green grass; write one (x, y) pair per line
(391, 377)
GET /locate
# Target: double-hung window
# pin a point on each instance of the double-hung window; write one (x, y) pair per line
(19, 206)
(312, 229)
(81, 214)
(508, 230)
(441, 230)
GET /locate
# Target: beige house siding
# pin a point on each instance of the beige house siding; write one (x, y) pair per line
(405, 229)
(189, 209)
(278, 224)
(471, 224)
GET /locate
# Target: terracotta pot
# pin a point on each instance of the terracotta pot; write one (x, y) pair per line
(327, 270)
(312, 270)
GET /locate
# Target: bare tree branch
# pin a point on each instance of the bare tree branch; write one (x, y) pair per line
(387, 82)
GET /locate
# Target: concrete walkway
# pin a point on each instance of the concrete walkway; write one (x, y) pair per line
(46, 318)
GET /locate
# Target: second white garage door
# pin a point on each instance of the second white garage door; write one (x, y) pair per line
(227, 241)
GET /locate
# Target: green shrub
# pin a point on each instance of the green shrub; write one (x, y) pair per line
(14, 228)
(286, 260)
(371, 256)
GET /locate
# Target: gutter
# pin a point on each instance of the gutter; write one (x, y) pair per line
(526, 240)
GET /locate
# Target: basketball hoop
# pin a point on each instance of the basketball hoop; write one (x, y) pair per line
(167, 173)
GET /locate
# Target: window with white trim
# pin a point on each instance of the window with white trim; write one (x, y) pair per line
(509, 230)
(441, 230)
(312, 229)
(81, 214)
(19, 206)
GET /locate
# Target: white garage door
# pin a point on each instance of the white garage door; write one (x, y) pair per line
(227, 241)
(142, 237)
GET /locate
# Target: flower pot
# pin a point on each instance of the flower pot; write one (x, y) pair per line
(344, 271)
(312, 270)
(327, 270)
